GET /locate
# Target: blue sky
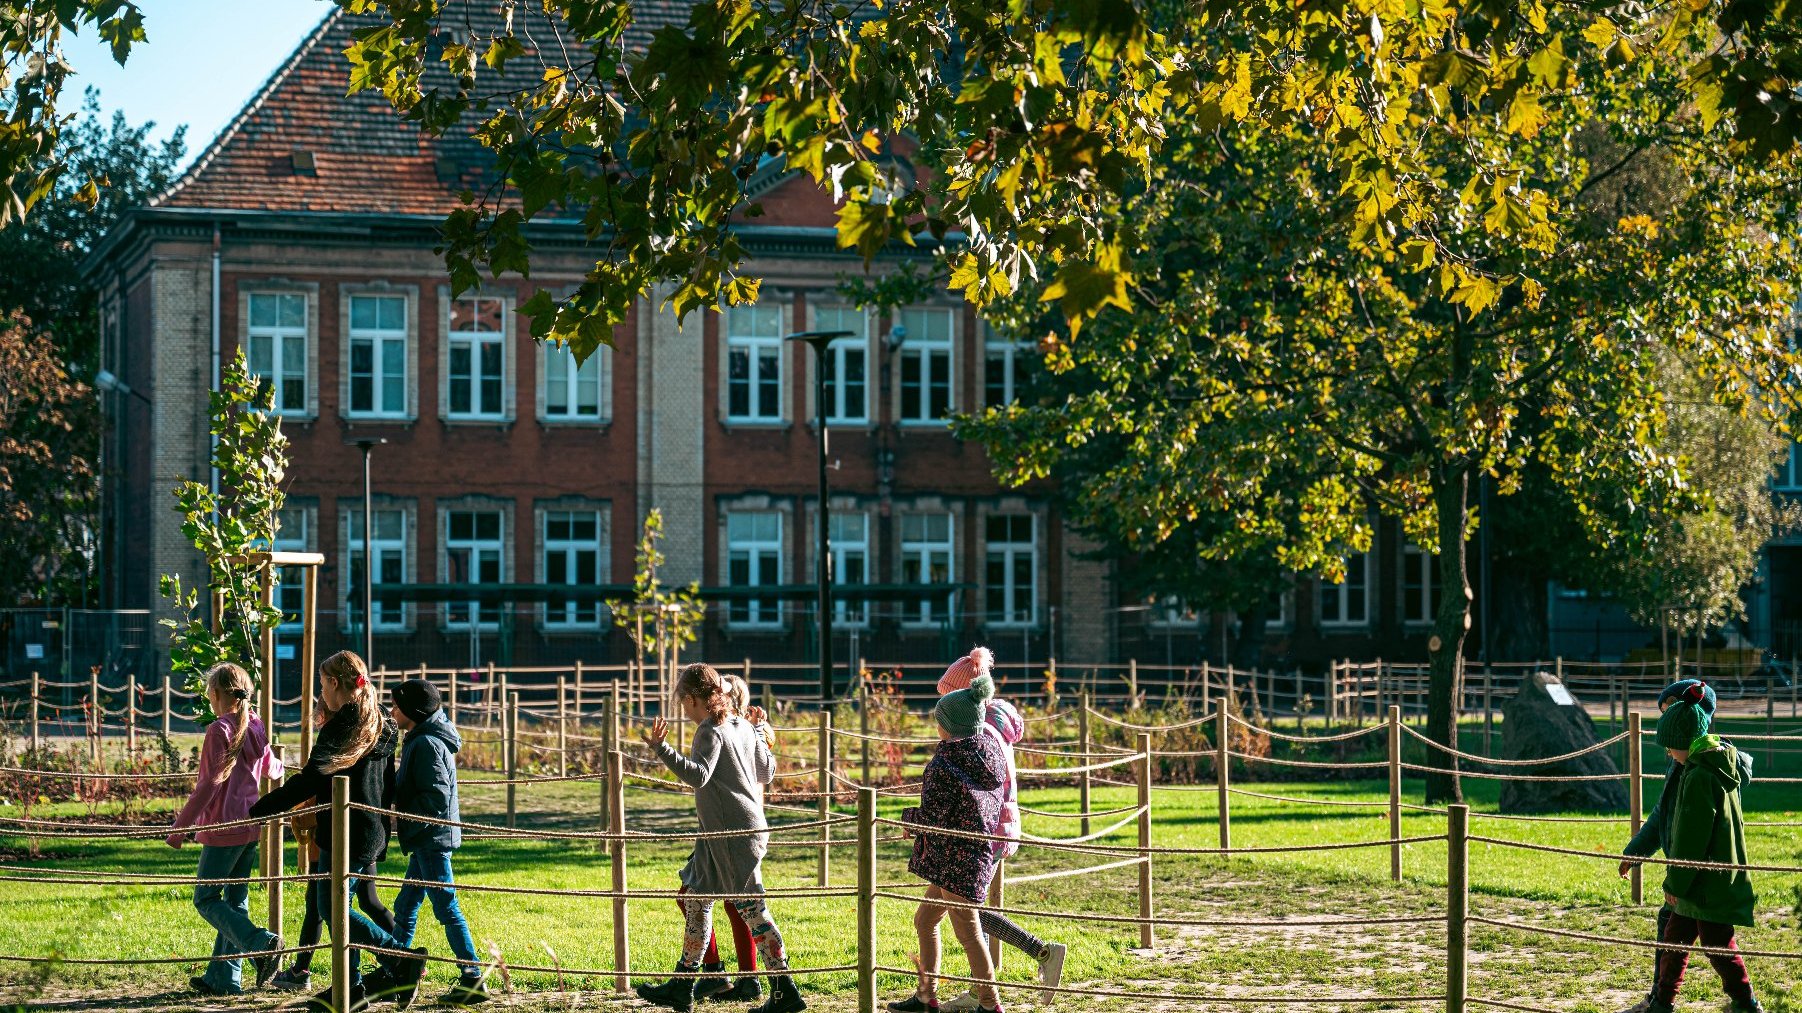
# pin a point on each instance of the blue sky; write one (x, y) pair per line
(202, 63)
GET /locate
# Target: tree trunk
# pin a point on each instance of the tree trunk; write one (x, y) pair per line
(1517, 611)
(1248, 646)
(1445, 651)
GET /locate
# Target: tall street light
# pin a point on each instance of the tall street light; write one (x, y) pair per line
(367, 444)
(821, 341)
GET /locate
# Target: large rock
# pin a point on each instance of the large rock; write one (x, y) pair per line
(1543, 720)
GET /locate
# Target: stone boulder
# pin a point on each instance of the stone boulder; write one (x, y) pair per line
(1542, 720)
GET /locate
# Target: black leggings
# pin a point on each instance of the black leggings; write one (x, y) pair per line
(363, 890)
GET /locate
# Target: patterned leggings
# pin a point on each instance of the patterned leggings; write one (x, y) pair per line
(756, 915)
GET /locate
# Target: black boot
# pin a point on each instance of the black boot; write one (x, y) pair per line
(322, 1003)
(747, 989)
(714, 987)
(784, 998)
(677, 993)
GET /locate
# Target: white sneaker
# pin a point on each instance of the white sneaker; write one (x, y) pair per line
(1051, 969)
(965, 1003)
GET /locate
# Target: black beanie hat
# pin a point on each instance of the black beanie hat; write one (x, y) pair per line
(417, 699)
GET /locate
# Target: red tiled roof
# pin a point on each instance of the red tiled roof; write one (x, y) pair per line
(366, 158)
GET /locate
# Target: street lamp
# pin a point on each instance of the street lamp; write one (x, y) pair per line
(367, 444)
(821, 341)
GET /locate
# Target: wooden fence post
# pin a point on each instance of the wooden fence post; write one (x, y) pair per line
(37, 692)
(1395, 791)
(610, 720)
(1207, 693)
(866, 899)
(510, 751)
(450, 689)
(1488, 710)
(825, 782)
(1144, 779)
(616, 857)
(1635, 795)
(1457, 908)
(863, 726)
(273, 857)
(97, 715)
(488, 696)
(500, 701)
(1222, 757)
(340, 886)
(169, 703)
(1085, 780)
(578, 679)
(131, 715)
(562, 727)
(1132, 683)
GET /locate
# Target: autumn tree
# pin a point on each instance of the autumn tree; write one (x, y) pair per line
(47, 480)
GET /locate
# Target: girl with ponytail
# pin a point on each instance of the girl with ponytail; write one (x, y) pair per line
(233, 756)
(357, 742)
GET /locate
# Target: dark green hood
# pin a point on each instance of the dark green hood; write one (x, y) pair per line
(1711, 754)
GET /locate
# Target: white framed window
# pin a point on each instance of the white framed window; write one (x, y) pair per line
(572, 392)
(927, 557)
(572, 555)
(390, 545)
(1789, 473)
(1172, 612)
(926, 385)
(849, 541)
(1280, 609)
(754, 559)
(474, 544)
(1420, 585)
(276, 347)
(847, 365)
(1010, 570)
(1005, 363)
(293, 533)
(477, 350)
(378, 356)
(754, 364)
(1347, 603)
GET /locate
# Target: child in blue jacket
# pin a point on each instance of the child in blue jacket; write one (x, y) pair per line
(426, 785)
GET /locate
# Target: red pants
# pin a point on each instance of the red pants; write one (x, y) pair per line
(741, 939)
(1672, 963)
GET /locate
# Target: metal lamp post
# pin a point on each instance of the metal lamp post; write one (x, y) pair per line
(367, 444)
(821, 341)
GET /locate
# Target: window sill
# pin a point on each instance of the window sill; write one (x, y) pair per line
(756, 424)
(758, 629)
(554, 422)
(1346, 627)
(564, 631)
(373, 418)
(476, 422)
(924, 424)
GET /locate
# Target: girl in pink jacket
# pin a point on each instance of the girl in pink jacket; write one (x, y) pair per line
(234, 756)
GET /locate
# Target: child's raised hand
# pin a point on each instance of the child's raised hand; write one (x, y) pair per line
(654, 735)
(756, 715)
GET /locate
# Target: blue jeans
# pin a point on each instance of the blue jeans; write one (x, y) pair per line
(226, 907)
(363, 932)
(436, 867)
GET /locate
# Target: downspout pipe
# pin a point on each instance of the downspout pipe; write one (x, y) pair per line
(214, 377)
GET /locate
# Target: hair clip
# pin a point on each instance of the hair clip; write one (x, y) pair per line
(1693, 692)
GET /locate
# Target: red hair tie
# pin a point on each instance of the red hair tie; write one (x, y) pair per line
(362, 681)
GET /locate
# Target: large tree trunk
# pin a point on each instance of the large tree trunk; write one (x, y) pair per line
(1516, 611)
(1248, 647)
(1445, 651)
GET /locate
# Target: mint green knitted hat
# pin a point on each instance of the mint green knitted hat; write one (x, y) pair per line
(960, 712)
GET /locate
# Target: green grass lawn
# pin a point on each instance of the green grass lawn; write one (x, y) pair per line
(1583, 894)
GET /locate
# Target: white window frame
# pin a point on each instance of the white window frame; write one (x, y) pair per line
(1789, 473)
(919, 551)
(1011, 352)
(1340, 617)
(388, 618)
(553, 357)
(845, 613)
(841, 410)
(1420, 574)
(1169, 612)
(754, 613)
(280, 338)
(917, 347)
(558, 616)
(378, 337)
(294, 533)
(1010, 551)
(745, 328)
(1284, 617)
(477, 341)
(474, 544)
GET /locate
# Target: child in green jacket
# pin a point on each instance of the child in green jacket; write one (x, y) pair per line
(1705, 824)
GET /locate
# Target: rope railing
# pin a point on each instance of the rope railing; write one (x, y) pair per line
(1180, 996)
(1543, 761)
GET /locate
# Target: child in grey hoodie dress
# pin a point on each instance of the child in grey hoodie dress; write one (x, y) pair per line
(728, 766)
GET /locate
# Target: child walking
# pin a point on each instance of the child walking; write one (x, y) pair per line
(1008, 727)
(748, 987)
(728, 766)
(299, 975)
(964, 788)
(357, 742)
(233, 756)
(1705, 824)
(427, 786)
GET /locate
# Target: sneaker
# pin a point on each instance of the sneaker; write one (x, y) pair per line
(322, 1003)
(408, 971)
(1051, 966)
(965, 1003)
(379, 985)
(468, 991)
(200, 985)
(912, 1004)
(746, 989)
(291, 980)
